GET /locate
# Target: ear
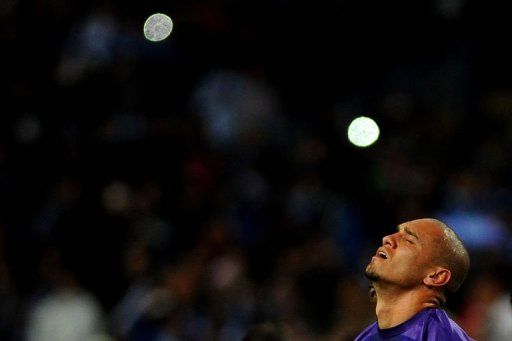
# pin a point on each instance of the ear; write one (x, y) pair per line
(437, 277)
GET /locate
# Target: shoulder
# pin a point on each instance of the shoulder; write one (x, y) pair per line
(372, 329)
(439, 326)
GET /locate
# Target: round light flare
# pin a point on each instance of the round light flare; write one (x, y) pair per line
(363, 131)
(157, 27)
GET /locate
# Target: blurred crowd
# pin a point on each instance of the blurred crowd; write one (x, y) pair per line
(203, 188)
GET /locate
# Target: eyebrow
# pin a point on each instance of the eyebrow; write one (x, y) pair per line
(408, 231)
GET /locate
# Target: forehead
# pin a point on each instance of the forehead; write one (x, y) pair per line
(423, 229)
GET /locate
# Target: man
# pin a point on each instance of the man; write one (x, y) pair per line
(411, 274)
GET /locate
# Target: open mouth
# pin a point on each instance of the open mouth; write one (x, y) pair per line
(382, 254)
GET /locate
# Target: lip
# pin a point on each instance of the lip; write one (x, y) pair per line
(379, 251)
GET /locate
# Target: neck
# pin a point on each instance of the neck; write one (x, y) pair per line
(397, 305)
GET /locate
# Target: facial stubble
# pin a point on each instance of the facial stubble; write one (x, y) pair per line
(370, 273)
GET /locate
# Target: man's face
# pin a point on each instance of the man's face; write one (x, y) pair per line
(406, 256)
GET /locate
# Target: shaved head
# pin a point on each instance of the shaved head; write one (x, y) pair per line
(451, 254)
(413, 271)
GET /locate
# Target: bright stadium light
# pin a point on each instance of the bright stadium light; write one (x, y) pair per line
(157, 27)
(363, 131)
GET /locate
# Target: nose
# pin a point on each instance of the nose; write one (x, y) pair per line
(389, 240)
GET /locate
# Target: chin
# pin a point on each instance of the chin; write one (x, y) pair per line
(371, 274)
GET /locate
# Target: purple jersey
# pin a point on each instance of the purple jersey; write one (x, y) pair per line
(428, 325)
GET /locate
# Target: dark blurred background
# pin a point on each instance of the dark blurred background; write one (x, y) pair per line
(203, 186)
